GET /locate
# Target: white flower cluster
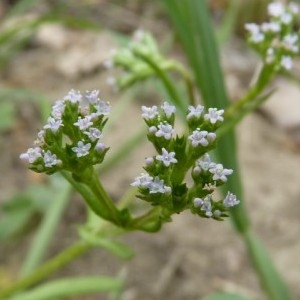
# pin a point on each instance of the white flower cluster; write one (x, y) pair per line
(79, 118)
(217, 170)
(219, 174)
(163, 183)
(206, 204)
(35, 153)
(276, 40)
(154, 185)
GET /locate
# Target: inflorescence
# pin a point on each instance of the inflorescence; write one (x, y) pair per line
(277, 41)
(71, 141)
(163, 182)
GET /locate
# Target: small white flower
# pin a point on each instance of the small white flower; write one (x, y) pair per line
(73, 96)
(93, 133)
(205, 162)
(204, 205)
(219, 172)
(50, 159)
(143, 181)
(149, 113)
(290, 42)
(168, 109)
(276, 9)
(32, 154)
(58, 109)
(286, 18)
(103, 108)
(286, 62)
(256, 36)
(157, 186)
(230, 200)
(165, 130)
(100, 147)
(167, 158)
(152, 129)
(252, 28)
(195, 112)
(92, 96)
(81, 149)
(199, 138)
(214, 115)
(270, 27)
(197, 170)
(149, 161)
(198, 202)
(53, 124)
(83, 123)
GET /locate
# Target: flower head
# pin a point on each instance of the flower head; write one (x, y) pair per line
(83, 123)
(199, 137)
(167, 158)
(53, 124)
(92, 96)
(73, 96)
(195, 112)
(230, 200)
(168, 109)
(157, 186)
(93, 133)
(144, 180)
(50, 159)
(219, 173)
(32, 154)
(165, 130)
(81, 149)
(214, 115)
(149, 113)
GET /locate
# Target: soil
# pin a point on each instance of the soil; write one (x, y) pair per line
(190, 257)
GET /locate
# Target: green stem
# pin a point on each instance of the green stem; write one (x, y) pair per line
(188, 81)
(96, 198)
(149, 222)
(48, 268)
(264, 78)
(97, 188)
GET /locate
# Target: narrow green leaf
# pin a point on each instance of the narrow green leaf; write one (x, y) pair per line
(117, 248)
(69, 287)
(192, 21)
(270, 278)
(46, 231)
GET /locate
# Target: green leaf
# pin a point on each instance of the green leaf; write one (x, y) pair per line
(191, 19)
(270, 278)
(224, 296)
(117, 248)
(60, 192)
(69, 287)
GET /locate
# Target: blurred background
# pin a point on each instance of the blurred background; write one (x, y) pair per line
(49, 47)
